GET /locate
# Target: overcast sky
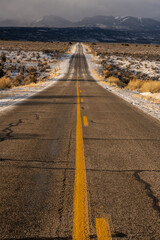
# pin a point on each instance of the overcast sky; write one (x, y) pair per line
(77, 9)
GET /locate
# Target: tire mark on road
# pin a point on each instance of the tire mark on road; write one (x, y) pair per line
(62, 195)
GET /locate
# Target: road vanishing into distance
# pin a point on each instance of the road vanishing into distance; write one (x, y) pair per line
(77, 162)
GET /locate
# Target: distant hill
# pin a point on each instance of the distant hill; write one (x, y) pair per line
(14, 23)
(52, 21)
(79, 34)
(103, 22)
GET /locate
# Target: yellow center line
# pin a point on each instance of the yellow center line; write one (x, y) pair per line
(85, 121)
(80, 211)
(103, 229)
(81, 99)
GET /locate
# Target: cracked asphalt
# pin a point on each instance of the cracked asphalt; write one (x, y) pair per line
(37, 162)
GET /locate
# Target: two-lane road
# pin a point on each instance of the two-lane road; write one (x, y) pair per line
(77, 162)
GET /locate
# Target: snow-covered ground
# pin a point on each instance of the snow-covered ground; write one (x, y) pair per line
(136, 65)
(133, 97)
(8, 98)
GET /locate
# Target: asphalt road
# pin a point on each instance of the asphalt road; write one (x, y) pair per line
(42, 177)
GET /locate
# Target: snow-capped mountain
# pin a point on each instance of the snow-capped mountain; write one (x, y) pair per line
(126, 22)
(104, 22)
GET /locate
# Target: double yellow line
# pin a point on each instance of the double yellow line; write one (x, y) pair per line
(80, 211)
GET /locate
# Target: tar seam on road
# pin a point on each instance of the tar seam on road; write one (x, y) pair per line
(80, 211)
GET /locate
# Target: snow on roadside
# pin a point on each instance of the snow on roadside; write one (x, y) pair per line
(8, 98)
(133, 97)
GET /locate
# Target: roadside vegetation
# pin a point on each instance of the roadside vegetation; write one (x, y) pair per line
(144, 86)
(24, 63)
(129, 66)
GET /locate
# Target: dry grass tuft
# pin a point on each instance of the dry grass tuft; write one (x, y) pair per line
(115, 81)
(151, 86)
(144, 86)
(135, 84)
(5, 83)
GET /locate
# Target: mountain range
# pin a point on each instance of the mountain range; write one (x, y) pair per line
(103, 22)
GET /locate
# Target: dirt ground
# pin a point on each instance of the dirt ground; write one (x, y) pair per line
(34, 46)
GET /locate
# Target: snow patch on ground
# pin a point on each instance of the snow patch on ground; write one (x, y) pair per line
(133, 97)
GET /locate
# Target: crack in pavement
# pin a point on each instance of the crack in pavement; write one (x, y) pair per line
(155, 200)
(9, 131)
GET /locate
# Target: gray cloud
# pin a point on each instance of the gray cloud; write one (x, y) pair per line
(77, 9)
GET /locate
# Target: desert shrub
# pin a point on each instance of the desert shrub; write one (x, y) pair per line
(11, 67)
(43, 68)
(115, 82)
(30, 79)
(38, 56)
(22, 69)
(8, 73)
(48, 52)
(5, 83)
(132, 77)
(1, 72)
(119, 74)
(19, 67)
(125, 79)
(108, 67)
(32, 70)
(106, 73)
(3, 57)
(44, 63)
(18, 80)
(40, 64)
(47, 66)
(33, 54)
